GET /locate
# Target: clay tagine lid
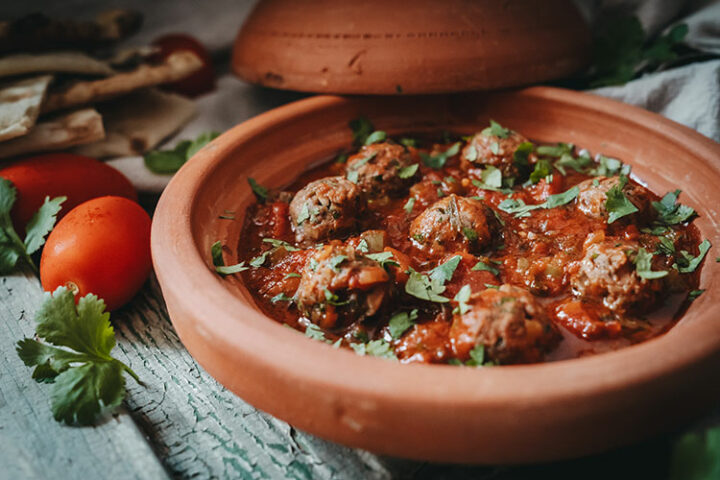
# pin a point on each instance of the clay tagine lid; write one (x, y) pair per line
(418, 46)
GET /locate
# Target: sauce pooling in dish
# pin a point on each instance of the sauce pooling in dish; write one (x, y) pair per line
(481, 250)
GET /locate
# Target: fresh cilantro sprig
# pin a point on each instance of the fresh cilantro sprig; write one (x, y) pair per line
(12, 248)
(616, 203)
(520, 209)
(687, 262)
(670, 212)
(166, 162)
(75, 357)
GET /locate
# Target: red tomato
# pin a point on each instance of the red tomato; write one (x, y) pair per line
(100, 247)
(201, 81)
(77, 177)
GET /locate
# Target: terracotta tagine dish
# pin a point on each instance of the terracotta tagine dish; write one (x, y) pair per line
(499, 415)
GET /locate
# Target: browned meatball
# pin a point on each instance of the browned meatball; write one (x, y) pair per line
(484, 149)
(606, 273)
(454, 224)
(508, 322)
(325, 208)
(382, 168)
(593, 196)
(339, 286)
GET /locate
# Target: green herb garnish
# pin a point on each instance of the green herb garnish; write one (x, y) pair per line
(438, 160)
(169, 161)
(401, 322)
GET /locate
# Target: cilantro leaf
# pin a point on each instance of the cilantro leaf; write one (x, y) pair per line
(521, 154)
(361, 129)
(576, 163)
(496, 130)
(375, 137)
(687, 263)
(216, 254)
(670, 212)
(617, 204)
(12, 248)
(462, 297)
(557, 150)
(408, 207)
(376, 348)
(480, 265)
(281, 244)
(281, 297)
(261, 193)
(520, 209)
(444, 272)
(643, 266)
(385, 259)
(86, 379)
(409, 171)
(477, 356)
(420, 286)
(542, 170)
(401, 322)
(231, 269)
(438, 160)
(169, 161)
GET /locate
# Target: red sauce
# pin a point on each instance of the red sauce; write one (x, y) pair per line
(540, 253)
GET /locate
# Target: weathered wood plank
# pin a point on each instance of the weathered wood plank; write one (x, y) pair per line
(32, 444)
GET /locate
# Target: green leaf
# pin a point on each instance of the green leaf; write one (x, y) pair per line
(567, 160)
(315, 332)
(216, 254)
(521, 154)
(408, 207)
(169, 161)
(41, 223)
(420, 286)
(401, 322)
(617, 204)
(462, 297)
(333, 299)
(339, 259)
(687, 263)
(608, 167)
(231, 269)
(261, 193)
(477, 356)
(376, 348)
(520, 209)
(361, 129)
(480, 265)
(376, 137)
(80, 394)
(693, 294)
(670, 212)
(444, 272)
(496, 130)
(696, 456)
(12, 249)
(557, 150)
(438, 160)
(643, 266)
(281, 297)
(409, 171)
(385, 259)
(542, 170)
(281, 244)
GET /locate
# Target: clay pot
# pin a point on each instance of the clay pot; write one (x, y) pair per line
(414, 46)
(506, 414)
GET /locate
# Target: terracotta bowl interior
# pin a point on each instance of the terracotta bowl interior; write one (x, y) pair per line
(494, 415)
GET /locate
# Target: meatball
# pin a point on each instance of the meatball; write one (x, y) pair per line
(593, 196)
(382, 169)
(454, 224)
(607, 274)
(485, 149)
(508, 322)
(325, 208)
(338, 286)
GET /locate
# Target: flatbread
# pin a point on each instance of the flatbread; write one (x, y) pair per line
(58, 133)
(136, 123)
(55, 62)
(20, 104)
(175, 67)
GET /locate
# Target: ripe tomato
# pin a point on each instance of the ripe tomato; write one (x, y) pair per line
(101, 246)
(201, 81)
(77, 177)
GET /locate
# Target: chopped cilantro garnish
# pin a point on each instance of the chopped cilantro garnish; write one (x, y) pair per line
(260, 260)
(408, 207)
(409, 171)
(617, 204)
(408, 142)
(643, 266)
(665, 246)
(542, 170)
(336, 261)
(170, 161)
(385, 259)
(687, 263)
(261, 193)
(292, 275)
(231, 269)
(471, 154)
(363, 246)
(438, 160)
(480, 265)
(495, 148)
(608, 167)
(216, 254)
(520, 209)
(567, 160)
(304, 214)
(401, 322)
(496, 130)
(281, 297)
(361, 129)
(376, 348)
(420, 286)
(695, 294)
(494, 287)
(462, 297)
(333, 299)
(555, 150)
(281, 244)
(520, 157)
(470, 234)
(375, 137)
(670, 212)
(444, 272)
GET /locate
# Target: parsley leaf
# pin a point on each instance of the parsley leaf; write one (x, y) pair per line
(375, 137)
(438, 160)
(670, 212)
(401, 322)
(12, 248)
(480, 265)
(261, 193)
(170, 161)
(86, 379)
(617, 204)
(687, 263)
(496, 130)
(409, 171)
(361, 129)
(420, 286)
(643, 266)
